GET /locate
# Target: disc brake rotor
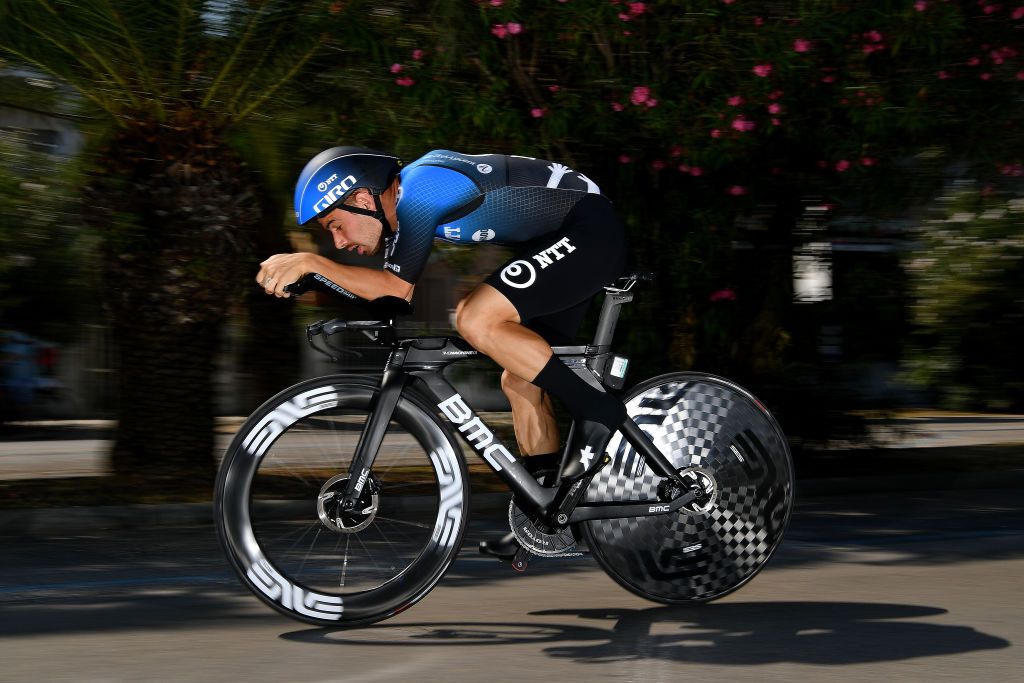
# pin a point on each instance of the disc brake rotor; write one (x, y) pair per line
(328, 506)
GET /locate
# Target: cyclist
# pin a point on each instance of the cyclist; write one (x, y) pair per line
(570, 243)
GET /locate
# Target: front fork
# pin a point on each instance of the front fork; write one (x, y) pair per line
(381, 410)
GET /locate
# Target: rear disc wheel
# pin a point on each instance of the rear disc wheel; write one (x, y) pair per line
(730, 448)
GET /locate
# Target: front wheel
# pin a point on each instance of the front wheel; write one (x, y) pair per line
(286, 537)
(730, 447)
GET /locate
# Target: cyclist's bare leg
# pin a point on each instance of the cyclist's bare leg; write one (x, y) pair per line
(489, 321)
(532, 415)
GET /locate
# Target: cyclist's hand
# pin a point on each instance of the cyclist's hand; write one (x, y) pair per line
(281, 270)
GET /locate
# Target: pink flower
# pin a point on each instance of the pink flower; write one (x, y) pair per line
(651, 102)
(499, 30)
(536, 112)
(973, 61)
(727, 294)
(396, 68)
(920, 5)
(737, 190)
(801, 45)
(640, 94)
(728, 2)
(842, 165)
(554, 88)
(943, 75)
(774, 108)
(625, 17)
(997, 57)
(404, 81)
(867, 161)
(763, 70)
(696, 171)
(625, 159)
(417, 54)
(735, 101)
(985, 76)
(497, 3)
(1020, 75)
(715, 133)
(1018, 13)
(514, 28)
(616, 106)
(990, 9)
(874, 36)
(742, 124)
(828, 79)
(758, 21)
(776, 122)
(868, 49)
(683, 168)
(676, 152)
(657, 164)
(775, 94)
(637, 8)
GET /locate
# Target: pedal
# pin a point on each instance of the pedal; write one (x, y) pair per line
(521, 560)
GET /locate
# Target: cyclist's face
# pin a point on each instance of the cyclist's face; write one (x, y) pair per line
(352, 231)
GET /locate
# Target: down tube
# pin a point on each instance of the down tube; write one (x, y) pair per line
(485, 442)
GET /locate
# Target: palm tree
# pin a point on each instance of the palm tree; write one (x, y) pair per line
(175, 206)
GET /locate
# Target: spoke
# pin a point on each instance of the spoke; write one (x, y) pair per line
(287, 534)
(414, 540)
(369, 554)
(299, 539)
(402, 521)
(311, 546)
(344, 562)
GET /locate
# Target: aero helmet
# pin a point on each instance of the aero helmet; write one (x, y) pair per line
(332, 175)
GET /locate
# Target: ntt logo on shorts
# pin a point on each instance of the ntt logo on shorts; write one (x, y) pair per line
(521, 274)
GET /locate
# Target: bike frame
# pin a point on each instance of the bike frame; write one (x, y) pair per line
(425, 358)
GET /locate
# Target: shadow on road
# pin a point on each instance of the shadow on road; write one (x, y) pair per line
(729, 634)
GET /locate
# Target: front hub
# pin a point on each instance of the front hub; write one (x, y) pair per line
(328, 506)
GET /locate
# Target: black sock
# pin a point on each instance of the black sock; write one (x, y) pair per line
(541, 461)
(583, 401)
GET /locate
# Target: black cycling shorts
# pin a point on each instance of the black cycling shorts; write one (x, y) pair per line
(553, 278)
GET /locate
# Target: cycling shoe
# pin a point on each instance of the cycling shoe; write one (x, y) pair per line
(586, 452)
(504, 548)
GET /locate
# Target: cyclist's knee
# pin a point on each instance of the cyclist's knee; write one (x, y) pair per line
(473, 324)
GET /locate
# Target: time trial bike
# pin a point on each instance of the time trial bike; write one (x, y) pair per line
(343, 500)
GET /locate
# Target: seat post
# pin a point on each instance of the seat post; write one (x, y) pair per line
(614, 298)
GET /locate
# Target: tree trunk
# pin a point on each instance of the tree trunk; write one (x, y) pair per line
(175, 212)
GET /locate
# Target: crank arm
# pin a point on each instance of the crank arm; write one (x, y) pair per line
(643, 508)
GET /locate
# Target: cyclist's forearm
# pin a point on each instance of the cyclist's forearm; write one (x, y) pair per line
(368, 283)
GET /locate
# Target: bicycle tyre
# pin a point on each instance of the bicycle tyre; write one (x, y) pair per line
(702, 421)
(278, 465)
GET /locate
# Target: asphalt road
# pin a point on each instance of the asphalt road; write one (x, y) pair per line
(908, 587)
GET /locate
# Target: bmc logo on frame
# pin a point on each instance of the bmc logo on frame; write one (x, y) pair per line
(474, 431)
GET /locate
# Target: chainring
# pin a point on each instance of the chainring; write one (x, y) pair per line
(535, 538)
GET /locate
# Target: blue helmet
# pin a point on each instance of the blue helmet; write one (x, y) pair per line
(332, 175)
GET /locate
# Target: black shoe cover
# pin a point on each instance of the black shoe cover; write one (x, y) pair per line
(504, 548)
(586, 452)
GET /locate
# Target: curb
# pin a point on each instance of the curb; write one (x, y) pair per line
(83, 519)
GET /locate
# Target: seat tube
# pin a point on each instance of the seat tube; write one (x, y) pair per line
(609, 317)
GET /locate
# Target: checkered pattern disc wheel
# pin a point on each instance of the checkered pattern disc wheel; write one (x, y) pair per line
(711, 423)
